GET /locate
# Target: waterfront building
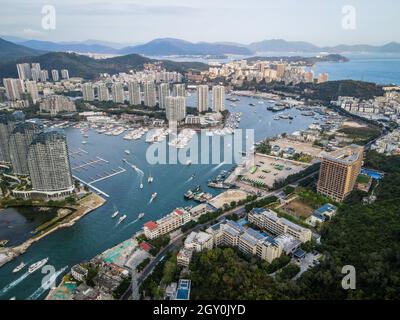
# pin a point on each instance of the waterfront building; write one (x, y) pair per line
(166, 224)
(20, 140)
(49, 166)
(56, 104)
(14, 88)
(24, 71)
(202, 98)
(269, 220)
(134, 93)
(218, 98)
(179, 90)
(55, 75)
(7, 125)
(163, 93)
(88, 91)
(32, 89)
(102, 92)
(117, 90)
(64, 74)
(175, 108)
(149, 92)
(339, 171)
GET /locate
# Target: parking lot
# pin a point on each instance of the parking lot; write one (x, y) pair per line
(267, 169)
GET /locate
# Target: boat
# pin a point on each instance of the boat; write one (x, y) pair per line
(122, 218)
(127, 152)
(189, 162)
(141, 186)
(37, 265)
(150, 179)
(252, 104)
(19, 267)
(153, 196)
(141, 215)
(84, 142)
(115, 214)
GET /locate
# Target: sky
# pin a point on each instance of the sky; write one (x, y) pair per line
(243, 21)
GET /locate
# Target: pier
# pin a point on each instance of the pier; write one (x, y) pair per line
(112, 174)
(98, 160)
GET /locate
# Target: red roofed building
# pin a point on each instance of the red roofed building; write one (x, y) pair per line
(145, 246)
(173, 221)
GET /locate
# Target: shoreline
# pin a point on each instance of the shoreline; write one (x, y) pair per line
(86, 205)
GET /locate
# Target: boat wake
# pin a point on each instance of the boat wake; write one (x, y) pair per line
(218, 166)
(46, 286)
(14, 283)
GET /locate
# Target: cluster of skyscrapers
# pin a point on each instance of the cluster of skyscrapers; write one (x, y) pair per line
(35, 73)
(41, 155)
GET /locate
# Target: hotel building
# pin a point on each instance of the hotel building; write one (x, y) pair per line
(173, 221)
(339, 171)
(269, 220)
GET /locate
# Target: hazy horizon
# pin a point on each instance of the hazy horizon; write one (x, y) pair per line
(132, 22)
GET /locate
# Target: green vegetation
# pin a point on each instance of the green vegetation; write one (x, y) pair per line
(122, 287)
(288, 272)
(264, 147)
(92, 273)
(361, 135)
(363, 179)
(289, 190)
(277, 264)
(164, 273)
(302, 157)
(313, 199)
(261, 203)
(89, 68)
(158, 243)
(143, 265)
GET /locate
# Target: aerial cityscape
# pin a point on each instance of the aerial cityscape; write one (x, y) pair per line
(221, 167)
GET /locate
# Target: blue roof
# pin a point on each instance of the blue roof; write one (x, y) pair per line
(257, 210)
(299, 253)
(325, 207)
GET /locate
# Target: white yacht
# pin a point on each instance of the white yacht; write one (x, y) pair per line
(141, 215)
(127, 152)
(19, 267)
(122, 219)
(115, 214)
(153, 196)
(37, 265)
(150, 179)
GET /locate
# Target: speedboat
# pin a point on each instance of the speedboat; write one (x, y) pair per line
(19, 267)
(122, 219)
(115, 214)
(150, 179)
(141, 215)
(153, 196)
(141, 186)
(37, 265)
(189, 162)
(127, 152)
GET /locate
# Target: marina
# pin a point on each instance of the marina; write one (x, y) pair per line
(93, 233)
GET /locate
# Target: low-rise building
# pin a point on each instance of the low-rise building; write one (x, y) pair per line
(172, 221)
(269, 220)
